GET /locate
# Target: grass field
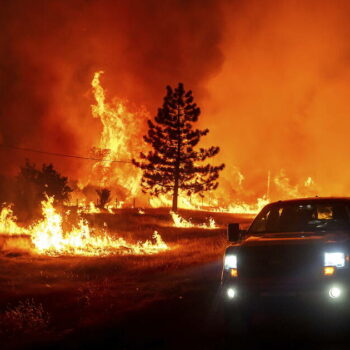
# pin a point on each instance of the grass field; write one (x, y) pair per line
(45, 297)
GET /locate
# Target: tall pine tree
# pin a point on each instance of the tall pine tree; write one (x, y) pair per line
(174, 165)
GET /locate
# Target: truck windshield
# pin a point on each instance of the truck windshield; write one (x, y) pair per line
(303, 217)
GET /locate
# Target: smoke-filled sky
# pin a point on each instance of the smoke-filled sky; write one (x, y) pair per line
(271, 78)
(282, 96)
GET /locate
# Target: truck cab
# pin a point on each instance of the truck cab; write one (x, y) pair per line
(295, 249)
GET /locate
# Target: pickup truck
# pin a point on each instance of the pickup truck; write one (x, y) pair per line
(294, 250)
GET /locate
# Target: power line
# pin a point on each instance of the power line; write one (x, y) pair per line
(64, 155)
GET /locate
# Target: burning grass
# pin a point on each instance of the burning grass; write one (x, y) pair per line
(49, 237)
(179, 221)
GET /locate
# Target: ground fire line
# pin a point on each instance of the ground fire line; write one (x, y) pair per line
(48, 237)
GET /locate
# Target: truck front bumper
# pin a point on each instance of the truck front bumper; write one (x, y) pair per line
(335, 290)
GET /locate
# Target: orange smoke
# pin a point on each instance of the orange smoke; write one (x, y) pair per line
(280, 102)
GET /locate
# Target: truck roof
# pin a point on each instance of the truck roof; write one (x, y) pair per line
(312, 199)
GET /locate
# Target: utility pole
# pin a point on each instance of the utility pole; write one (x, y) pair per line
(268, 185)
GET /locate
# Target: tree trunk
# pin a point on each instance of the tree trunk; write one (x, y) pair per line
(176, 193)
(177, 164)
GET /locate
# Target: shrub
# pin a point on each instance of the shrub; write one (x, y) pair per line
(28, 317)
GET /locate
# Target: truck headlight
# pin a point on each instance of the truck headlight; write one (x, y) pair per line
(335, 292)
(231, 293)
(230, 262)
(336, 259)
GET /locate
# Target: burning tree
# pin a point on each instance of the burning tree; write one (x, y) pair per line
(174, 165)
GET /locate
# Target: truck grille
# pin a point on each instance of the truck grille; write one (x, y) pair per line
(282, 263)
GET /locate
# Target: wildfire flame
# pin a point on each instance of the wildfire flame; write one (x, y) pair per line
(121, 139)
(49, 238)
(92, 209)
(179, 221)
(8, 221)
(244, 208)
(118, 141)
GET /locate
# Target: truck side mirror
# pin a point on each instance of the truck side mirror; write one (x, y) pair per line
(233, 233)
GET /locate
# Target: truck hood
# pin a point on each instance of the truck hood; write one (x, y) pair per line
(294, 238)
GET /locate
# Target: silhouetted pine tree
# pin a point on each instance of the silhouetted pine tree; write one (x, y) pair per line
(174, 165)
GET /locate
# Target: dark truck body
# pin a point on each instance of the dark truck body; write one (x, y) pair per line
(291, 265)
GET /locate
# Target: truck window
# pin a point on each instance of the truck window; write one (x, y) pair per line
(303, 217)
